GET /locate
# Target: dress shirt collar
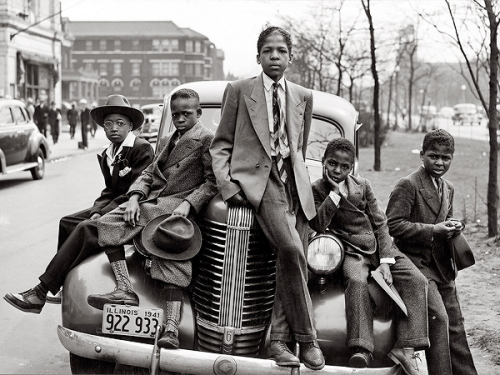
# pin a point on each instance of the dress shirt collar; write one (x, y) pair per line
(268, 82)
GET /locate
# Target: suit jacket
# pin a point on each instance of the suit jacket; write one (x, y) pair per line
(241, 149)
(137, 158)
(413, 209)
(358, 220)
(185, 173)
(41, 115)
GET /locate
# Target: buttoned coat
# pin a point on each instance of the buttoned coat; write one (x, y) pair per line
(241, 149)
(132, 160)
(184, 174)
(357, 220)
(414, 208)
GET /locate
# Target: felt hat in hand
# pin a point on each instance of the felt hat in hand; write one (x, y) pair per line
(171, 237)
(117, 104)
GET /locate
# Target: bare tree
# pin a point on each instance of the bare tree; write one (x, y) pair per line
(484, 17)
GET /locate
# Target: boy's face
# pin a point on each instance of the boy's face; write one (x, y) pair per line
(274, 56)
(185, 114)
(437, 160)
(113, 129)
(338, 165)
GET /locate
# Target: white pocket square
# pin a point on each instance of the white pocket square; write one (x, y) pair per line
(124, 171)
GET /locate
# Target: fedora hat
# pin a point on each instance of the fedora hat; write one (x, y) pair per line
(170, 237)
(120, 105)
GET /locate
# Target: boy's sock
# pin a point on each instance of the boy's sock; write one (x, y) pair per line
(120, 270)
(41, 290)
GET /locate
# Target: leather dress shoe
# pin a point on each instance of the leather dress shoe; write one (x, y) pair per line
(311, 355)
(116, 297)
(360, 359)
(406, 358)
(282, 355)
(168, 340)
(28, 301)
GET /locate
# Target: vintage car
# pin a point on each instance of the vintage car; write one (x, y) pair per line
(226, 312)
(22, 146)
(152, 117)
(466, 113)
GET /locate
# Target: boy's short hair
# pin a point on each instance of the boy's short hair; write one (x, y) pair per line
(185, 94)
(272, 30)
(440, 137)
(340, 144)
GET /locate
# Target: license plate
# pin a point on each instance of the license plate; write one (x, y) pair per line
(131, 320)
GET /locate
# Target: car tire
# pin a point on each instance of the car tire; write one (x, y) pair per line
(39, 171)
(82, 365)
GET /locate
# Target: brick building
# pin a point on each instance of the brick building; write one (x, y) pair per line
(143, 60)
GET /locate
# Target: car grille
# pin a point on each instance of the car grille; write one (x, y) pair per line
(235, 285)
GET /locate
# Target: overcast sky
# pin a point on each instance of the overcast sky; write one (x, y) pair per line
(232, 25)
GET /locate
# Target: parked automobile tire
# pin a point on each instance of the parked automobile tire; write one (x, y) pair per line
(39, 171)
(81, 365)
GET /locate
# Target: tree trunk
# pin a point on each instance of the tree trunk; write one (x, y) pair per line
(493, 125)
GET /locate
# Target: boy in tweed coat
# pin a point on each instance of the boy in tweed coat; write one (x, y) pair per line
(418, 214)
(347, 206)
(179, 181)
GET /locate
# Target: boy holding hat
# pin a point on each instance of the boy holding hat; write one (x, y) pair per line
(121, 163)
(178, 183)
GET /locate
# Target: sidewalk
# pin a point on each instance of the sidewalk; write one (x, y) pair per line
(66, 147)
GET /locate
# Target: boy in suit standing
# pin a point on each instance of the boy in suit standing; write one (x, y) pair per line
(179, 182)
(258, 157)
(347, 206)
(121, 163)
(418, 213)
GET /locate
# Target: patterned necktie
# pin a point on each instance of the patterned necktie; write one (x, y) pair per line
(276, 133)
(439, 183)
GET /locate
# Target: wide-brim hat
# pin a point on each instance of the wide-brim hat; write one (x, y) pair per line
(120, 105)
(170, 237)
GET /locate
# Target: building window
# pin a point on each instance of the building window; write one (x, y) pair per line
(103, 46)
(160, 88)
(189, 69)
(165, 68)
(89, 67)
(198, 70)
(117, 69)
(88, 45)
(104, 87)
(155, 68)
(136, 69)
(197, 46)
(103, 69)
(189, 46)
(135, 45)
(174, 45)
(135, 84)
(175, 69)
(118, 45)
(117, 85)
(156, 45)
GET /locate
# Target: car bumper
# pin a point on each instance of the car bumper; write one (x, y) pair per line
(188, 361)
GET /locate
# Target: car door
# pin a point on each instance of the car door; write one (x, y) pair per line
(8, 137)
(24, 130)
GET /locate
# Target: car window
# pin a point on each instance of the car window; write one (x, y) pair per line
(19, 115)
(156, 111)
(6, 117)
(322, 132)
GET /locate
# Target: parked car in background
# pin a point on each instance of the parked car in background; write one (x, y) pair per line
(22, 146)
(226, 312)
(152, 117)
(446, 112)
(466, 114)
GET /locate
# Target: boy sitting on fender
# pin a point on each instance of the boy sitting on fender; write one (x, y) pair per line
(346, 205)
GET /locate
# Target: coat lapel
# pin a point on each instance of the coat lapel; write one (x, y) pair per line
(428, 191)
(354, 196)
(188, 143)
(295, 108)
(257, 110)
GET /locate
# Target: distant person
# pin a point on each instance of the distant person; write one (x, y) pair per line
(54, 121)
(84, 122)
(72, 116)
(121, 163)
(93, 125)
(41, 114)
(30, 107)
(418, 213)
(258, 155)
(348, 207)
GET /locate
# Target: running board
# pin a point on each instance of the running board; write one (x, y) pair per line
(20, 167)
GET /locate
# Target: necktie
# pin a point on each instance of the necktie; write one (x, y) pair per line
(276, 133)
(439, 182)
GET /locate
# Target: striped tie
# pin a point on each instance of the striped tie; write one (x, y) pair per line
(276, 133)
(439, 182)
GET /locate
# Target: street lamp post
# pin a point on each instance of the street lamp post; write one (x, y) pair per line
(463, 87)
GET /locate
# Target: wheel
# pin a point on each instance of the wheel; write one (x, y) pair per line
(39, 171)
(81, 365)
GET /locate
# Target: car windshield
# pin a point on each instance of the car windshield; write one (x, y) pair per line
(321, 133)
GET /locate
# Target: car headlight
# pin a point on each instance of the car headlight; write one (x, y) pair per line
(325, 254)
